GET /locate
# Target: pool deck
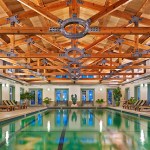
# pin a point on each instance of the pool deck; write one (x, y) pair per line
(22, 112)
(4, 115)
(142, 113)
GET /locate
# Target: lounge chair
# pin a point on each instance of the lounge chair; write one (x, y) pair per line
(5, 107)
(16, 106)
(125, 103)
(144, 107)
(144, 103)
(5, 102)
(141, 104)
(136, 104)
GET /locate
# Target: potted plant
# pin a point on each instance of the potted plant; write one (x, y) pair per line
(74, 100)
(100, 101)
(27, 96)
(46, 100)
(132, 100)
(117, 95)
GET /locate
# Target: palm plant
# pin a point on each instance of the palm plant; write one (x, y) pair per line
(117, 95)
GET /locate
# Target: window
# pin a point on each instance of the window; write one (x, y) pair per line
(87, 94)
(61, 95)
(61, 76)
(137, 92)
(148, 93)
(87, 76)
(127, 94)
(12, 93)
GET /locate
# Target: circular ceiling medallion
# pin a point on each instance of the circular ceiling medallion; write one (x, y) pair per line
(78, 50)
(74, 20)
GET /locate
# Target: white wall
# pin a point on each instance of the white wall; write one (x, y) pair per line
(5, 90)
(143, 89)
(73, 89)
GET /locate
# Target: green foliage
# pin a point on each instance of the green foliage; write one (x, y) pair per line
(100, 101)
(117, 95)
(46, 100)
(27, 95)
(74, 99)
(132, 100)
(117, 120)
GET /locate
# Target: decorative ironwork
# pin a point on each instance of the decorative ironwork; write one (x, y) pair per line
(45, 61)
(81, 55)
(13, 20)
(124, 65)
(137, 54)
(135, 20)
(74, 20)
(119, 41)
(29, 41)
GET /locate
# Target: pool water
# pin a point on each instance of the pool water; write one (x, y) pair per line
(76, 129)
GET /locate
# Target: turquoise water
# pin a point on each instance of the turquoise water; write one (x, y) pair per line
(76, 130)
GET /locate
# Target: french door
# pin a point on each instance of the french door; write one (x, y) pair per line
(38, 96)
(110, 96)
(61, 95)
(87, 95)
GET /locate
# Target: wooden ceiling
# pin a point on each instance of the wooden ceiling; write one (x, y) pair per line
(112, 17)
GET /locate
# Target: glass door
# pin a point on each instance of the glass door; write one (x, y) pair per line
(0, 93)
(148, 93)
(12, 93)
(87, 95)
(110, 96)
(61, 95)
(137, 92)
(38, 96)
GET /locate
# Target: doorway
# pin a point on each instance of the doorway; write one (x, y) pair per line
(148, 93)
(110, 96)
(87, 95)
(38, 97)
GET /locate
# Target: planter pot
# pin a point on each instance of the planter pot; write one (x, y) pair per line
(47, 105)
(74, 105)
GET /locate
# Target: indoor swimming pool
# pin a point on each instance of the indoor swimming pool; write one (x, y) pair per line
(76, 129)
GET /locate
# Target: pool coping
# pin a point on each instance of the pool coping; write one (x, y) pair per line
(17, 116)
(20, 115)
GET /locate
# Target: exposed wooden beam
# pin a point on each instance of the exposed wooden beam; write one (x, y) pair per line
(107, 10)
(116, 13)
(103, 30)
(84, 67)
(45, 13)
(55, 55)
(84, 73)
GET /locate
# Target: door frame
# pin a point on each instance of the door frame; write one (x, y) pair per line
(87, 89)
(61, 89)
(36, 100)
(107, 96)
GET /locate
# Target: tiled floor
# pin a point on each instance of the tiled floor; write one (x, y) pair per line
(144, 113)
(12, 114)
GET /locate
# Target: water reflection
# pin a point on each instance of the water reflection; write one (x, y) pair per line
(61, 118)
(87, 118)
(77, 130)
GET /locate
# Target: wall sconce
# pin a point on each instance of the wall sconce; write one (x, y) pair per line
(48, 89)
(5, 85)
(142, 85)
(101, 89)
